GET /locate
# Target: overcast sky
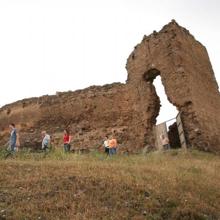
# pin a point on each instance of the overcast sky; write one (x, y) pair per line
(60, 45)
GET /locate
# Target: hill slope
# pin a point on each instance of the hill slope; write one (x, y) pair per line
(170, 185)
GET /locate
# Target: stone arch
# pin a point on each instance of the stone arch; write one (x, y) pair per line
(151, 75)
(186, 74)
(170, 129)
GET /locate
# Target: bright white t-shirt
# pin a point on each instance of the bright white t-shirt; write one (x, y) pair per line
(106, 143)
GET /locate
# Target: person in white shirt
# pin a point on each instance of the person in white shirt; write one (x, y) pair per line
(106, 145)
(165, 142)
(45, 140)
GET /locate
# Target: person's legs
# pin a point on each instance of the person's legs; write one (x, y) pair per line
(68, 147)
(110, 152)
(65, 147)
(114, 150)
(107, 150)
(166, 146)
(13, 147)
(45, 149)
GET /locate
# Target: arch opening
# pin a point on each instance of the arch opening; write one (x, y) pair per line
(165, 120)
(167, 110)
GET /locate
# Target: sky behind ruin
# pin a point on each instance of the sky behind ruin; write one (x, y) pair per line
(60, 45)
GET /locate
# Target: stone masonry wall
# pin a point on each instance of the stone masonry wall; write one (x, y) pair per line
(188, 78)
(129, 111)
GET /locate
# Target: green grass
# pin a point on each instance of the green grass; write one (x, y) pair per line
(158, 185)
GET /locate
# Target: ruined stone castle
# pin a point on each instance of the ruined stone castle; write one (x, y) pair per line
(129, 111)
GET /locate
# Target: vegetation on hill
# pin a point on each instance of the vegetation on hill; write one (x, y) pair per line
(158, 185)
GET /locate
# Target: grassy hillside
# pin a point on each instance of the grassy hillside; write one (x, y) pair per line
(169, 185)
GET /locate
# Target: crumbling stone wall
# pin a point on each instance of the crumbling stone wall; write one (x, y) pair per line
(188, 78)
(90, 114)
(129, 110)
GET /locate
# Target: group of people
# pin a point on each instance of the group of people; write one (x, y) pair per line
(66, 140)
(14, 143)
(110, 145)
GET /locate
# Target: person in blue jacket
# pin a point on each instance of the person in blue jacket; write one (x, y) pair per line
(13, 137)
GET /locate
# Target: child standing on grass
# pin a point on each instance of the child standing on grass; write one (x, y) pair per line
(112, 146)
(66, 140)
(106, 145)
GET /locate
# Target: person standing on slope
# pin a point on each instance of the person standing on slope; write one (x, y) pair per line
(106, 145)
(13, 137)
(112, 146)
(165, 142)
(45, 140)
(66, 140)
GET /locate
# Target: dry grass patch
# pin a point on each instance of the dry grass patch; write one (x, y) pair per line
(171, 185)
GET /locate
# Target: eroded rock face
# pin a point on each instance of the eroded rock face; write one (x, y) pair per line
(129, 110)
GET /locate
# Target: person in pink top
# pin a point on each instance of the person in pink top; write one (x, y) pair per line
(66, 140)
